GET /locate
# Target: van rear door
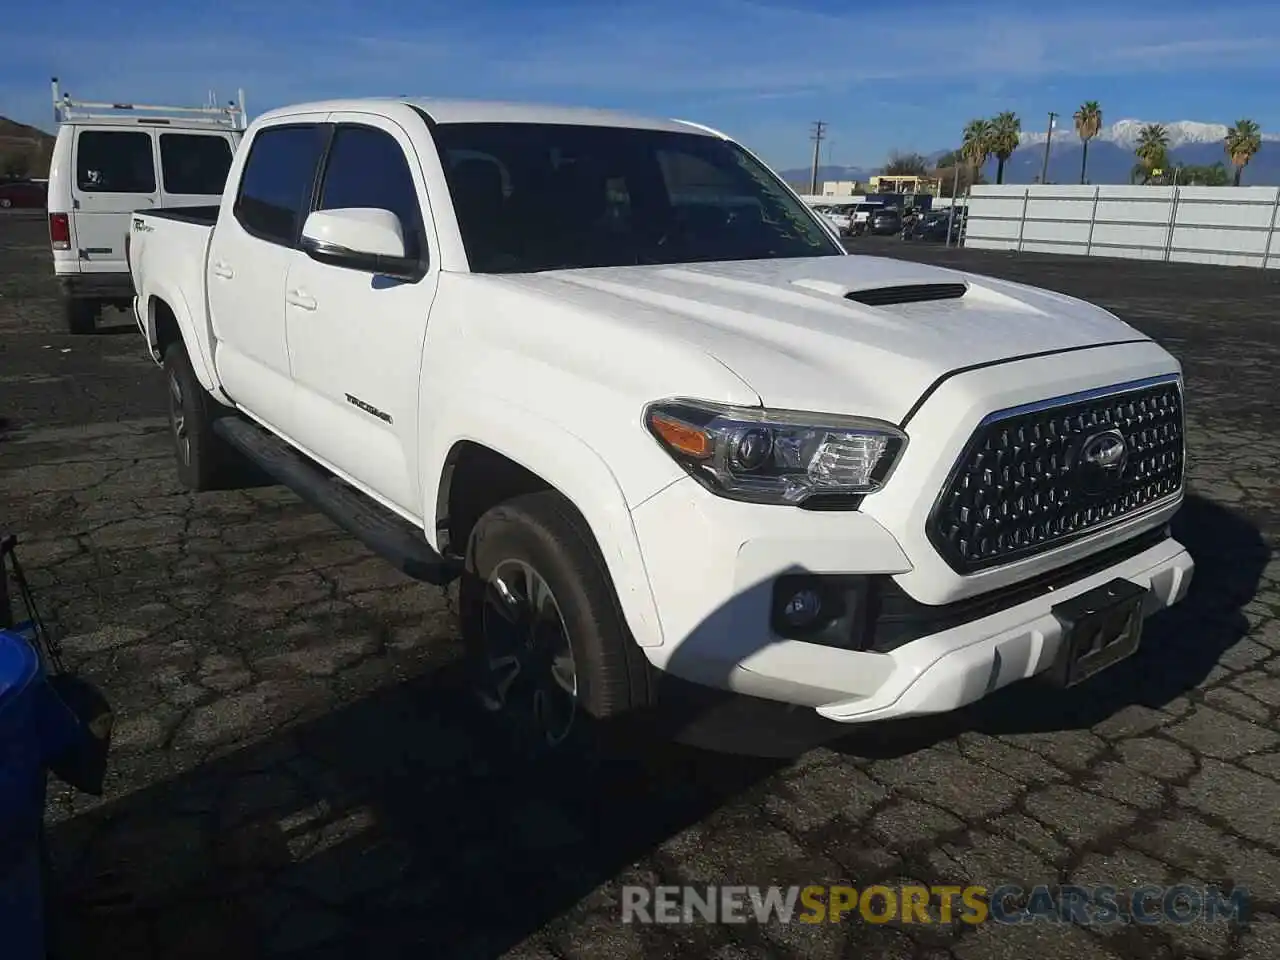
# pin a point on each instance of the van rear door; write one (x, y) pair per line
(193, 167)
(115, 174)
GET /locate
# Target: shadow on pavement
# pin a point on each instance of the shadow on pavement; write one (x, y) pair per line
(396, 827)
(400, 826)
(116, 329)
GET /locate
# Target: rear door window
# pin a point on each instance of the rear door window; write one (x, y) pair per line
(194, 163)
(275, 188)
(115, 161)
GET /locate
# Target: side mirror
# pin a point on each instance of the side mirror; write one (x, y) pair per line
(367, 239)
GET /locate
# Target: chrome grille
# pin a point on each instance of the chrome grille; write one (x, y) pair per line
(1030, 478)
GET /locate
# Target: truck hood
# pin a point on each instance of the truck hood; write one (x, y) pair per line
(854, 334)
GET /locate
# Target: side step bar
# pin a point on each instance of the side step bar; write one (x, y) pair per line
(382, 531)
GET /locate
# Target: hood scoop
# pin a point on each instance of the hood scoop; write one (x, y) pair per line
(907, 293)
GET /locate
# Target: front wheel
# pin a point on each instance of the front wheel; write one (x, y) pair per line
(549, 646)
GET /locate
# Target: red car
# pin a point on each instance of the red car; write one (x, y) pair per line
(23, 193)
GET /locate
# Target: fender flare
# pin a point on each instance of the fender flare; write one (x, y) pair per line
(201, 361)
(578, 473)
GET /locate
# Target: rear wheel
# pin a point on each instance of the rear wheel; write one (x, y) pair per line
(545, 636)
(80, 316)
(205, 461)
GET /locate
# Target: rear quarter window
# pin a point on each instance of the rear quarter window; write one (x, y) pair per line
(194, 163)
(115, 161)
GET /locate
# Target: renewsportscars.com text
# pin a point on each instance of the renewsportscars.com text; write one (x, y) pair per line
(939, 904)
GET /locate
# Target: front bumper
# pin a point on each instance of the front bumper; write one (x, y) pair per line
(723, 623)
(959, 666)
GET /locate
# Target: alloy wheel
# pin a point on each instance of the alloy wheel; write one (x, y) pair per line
(178, 418)
(529, 671)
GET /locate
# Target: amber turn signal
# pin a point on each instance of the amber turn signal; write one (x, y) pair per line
(680, 436)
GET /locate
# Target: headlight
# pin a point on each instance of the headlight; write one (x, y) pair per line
(776, 456)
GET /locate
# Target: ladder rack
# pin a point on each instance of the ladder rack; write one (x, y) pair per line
(229, 116)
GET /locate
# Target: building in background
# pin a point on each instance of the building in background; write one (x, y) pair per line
(907, 183)
(840, 188)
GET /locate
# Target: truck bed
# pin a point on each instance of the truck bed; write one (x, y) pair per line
(168, 249)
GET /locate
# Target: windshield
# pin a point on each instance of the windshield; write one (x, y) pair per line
(546, 197)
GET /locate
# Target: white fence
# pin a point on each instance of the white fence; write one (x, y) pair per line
(1234, 226)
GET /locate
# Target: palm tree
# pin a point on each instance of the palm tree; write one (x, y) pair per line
(1242, 142)
(1005, 135)
(1088, 122)
(1152, 150)
(976, 145)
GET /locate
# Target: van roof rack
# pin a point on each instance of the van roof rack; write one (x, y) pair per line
(229, 116)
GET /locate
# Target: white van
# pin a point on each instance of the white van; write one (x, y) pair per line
(110, 159)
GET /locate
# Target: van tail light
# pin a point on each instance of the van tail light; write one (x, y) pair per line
(60, 231)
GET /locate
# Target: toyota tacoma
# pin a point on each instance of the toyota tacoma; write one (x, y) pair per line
(612, 374)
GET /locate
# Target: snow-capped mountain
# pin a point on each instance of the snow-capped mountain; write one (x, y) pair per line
(1124, 133)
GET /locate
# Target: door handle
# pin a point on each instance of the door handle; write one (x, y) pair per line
(300, 300)
(223, 270)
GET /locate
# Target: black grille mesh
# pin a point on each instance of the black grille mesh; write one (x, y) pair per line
(1020, 487)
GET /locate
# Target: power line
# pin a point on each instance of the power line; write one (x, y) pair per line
(819, 131)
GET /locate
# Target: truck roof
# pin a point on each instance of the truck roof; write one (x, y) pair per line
(486, 111)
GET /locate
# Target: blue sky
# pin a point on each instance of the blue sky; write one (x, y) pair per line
(886, 75)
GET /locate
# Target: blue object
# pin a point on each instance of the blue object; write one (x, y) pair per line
(34, 726)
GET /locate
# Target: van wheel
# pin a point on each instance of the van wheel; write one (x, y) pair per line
(543, 630)
(205, 461)
(80, 316)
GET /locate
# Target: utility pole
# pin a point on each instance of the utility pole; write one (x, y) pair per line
(1044, 170)
(955, 187)
(819, 129)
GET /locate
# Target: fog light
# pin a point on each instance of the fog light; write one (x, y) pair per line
(802, 608)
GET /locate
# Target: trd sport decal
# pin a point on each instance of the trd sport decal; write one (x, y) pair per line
(368, 408)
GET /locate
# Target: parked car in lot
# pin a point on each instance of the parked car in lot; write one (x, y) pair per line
(110, 159)
(934, 227)
(885, 221)
(842, 219)
(861, 217)
(23, 195)
(674, 440)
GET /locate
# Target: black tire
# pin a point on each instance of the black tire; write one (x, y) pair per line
(543, 531)
(80, 316)
(205, 461)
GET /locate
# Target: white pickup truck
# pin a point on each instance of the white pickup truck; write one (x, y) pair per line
(613, 374)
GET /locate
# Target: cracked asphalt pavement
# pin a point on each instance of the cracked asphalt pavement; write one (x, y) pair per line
(296, 771)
